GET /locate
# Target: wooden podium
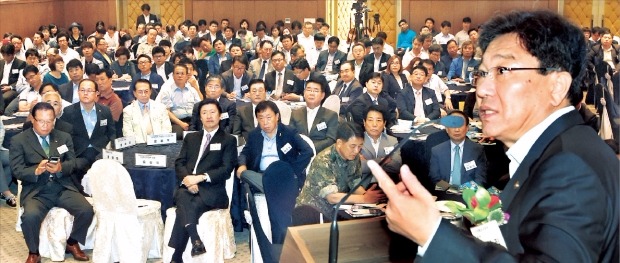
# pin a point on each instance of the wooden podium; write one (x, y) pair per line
(361, 240)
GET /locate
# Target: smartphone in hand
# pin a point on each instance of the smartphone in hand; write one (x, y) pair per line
(54, 160)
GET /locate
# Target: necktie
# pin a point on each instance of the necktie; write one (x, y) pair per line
(45, 145)
(279, 86)
(147, 119)
(456, 166)
(204, 148)
(464, 72)
(375, 102)
(343, 90)
(418, 109)
(263, 68)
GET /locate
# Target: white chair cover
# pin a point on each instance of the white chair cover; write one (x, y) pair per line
(263, 215)
(285, 111)
(123, 227)
(333, 103)
(215, 230)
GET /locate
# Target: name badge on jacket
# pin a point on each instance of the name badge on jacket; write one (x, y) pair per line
(103, 122)
(290, 82)
(321, 126)
(470, 165)
(428, 101)
(224, 116)
(384, 64)
(14, 71)
(215, 147)
(286, 148)
(62, 149)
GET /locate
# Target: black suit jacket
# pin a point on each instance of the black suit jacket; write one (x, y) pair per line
(358, 108)
(354, 90)
(339, 58)
(369, 66)
(300, 84)
(218, 164)
(103, 133)
(563, 202)
(243, 122)
(406, 104)
(17, 65)
(298, 156)
(289, 82)
(167, 69)
(152, 19)
(229, 81)
(66, 91)
(472, 152)
(26, 153)
(391, 85)
(229, 111)
(323, 138)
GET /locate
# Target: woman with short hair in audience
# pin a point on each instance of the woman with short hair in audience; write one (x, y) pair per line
(393, 78)
(122, 67)
(276, 32)
(56, 75)
(247, 38)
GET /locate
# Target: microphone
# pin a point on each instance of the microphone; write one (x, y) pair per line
(450, 121)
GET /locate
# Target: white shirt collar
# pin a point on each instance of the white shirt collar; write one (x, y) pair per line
(522, 146)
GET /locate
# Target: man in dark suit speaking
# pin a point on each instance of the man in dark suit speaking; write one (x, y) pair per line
(43, 159)
(206, 161)
(562, 196)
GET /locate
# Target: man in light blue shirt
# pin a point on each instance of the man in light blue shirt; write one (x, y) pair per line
(179, 99)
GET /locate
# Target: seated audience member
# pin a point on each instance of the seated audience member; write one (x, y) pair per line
(203, 170)
(122, 67)
(281, 81)
(194, 74)
(237, 79)
(302, 71)
(93, 127)
(146, 48)
(107, 97)
(387, 48)
(47, 184)
(287, 47)
(179, 99)
(348, 88)
(9, 73)
(357, 59)
(29, 96)
(87, 52)
(373, 96)
(316, 122)
(54, 99)
(67, 53)
(374, 62)
(6, 176)
(69, 91)
(101, 52)
(246, 120)
(453, 53)
(312, 54)
(297, 52)
(458, 160)
(463, 66)
(233, 50)
(377, 144)
(416, 102)
(145, 116)
(144, 65)
(215, 91)
(91, 71)
(262, 65)
(162, 67)
(415, 52)
(276, 154)
(330, 60)
(393, 79)
(335, 171)
(56, 74)
(230, 39)
(32, 58)
(444, 36)
(434, 54)
(437, 85)
(215, 61)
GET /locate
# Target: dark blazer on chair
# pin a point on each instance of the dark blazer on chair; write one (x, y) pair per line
(103, 133)
(359, 106)
(440, 163)
(567, 162)
(323, 138)
(243, 122)
(406, 104)
(219, 164)
(229, 81)
(298, 156)
(339, 58)
(229, 111)
(289, 82)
